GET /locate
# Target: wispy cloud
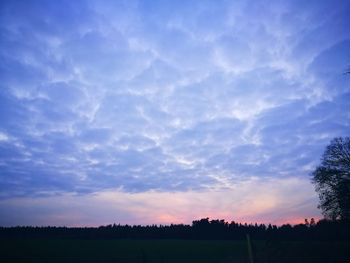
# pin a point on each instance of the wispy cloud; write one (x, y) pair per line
(146, 96)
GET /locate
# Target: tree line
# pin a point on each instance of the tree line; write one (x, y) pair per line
(323, 230)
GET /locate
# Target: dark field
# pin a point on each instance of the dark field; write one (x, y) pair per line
(141, 251)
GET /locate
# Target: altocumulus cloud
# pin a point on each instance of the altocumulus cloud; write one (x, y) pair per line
(136, 99)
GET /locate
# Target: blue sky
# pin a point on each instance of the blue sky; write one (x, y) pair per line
(167, 111)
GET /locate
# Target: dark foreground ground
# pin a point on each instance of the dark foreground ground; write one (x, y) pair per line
(179, 251)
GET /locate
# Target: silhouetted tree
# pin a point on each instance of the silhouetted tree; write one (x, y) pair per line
(312, 222)
(332, 179)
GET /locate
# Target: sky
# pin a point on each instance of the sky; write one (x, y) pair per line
(159, 112)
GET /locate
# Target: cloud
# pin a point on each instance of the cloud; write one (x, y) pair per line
(254, 200)
(148, 96)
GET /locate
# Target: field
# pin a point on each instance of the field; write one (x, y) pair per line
(159, 251)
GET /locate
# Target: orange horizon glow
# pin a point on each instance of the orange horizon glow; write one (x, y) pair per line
(269, 202)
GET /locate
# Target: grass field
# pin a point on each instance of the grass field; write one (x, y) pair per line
(179, 251)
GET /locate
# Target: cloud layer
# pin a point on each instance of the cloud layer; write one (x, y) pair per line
(145, 96)
(266, 199)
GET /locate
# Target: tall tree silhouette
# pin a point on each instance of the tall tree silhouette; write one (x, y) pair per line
(332, 179)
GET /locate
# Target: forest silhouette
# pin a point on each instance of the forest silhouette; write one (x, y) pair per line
(203, 229)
